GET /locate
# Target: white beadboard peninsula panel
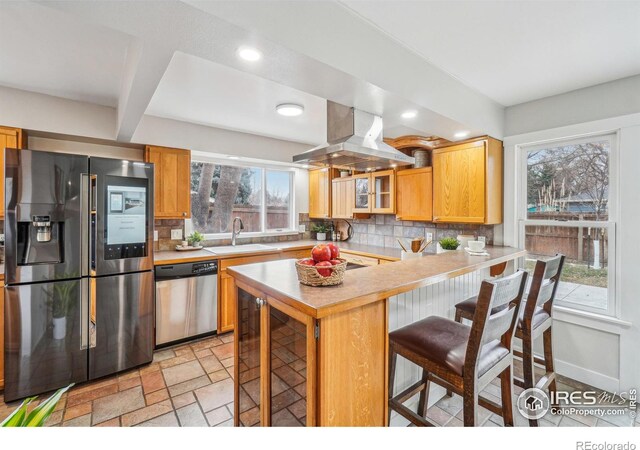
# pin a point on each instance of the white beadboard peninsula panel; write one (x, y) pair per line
(438, 299)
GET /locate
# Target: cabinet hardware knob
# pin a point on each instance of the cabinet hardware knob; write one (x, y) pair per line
(184, 214)
(260, 302)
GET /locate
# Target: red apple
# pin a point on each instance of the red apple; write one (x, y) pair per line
(324, 272)
(335, 262)
(335, 251)
(307, 262)
(321, 252)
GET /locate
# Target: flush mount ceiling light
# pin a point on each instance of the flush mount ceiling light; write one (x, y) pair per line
(461, 134)
(249, 54)
(289, 109)
(409, 114)
(233, 157)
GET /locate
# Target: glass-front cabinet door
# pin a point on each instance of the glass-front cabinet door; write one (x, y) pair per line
(383, 192)
(362, 193)
(275, 363)
(247, 361)
(289, 354)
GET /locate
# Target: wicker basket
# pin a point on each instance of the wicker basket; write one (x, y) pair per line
(309, 274)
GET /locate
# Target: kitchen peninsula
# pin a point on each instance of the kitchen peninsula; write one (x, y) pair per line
(318, 356)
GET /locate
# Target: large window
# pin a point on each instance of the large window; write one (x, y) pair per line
(261, 197)
(567, 206)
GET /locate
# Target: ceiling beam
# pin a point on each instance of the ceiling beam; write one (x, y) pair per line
(143, 70)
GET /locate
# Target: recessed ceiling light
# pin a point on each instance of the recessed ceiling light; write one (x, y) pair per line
(233, 157)
(394, 165)
(249, 54)
(409, 114)
(461, 134)
(305, 166)
(289, 109)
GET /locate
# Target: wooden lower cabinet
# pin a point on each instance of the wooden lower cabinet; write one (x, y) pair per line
(294, 370)
(227, 290)
(1, 335)
(227, 302)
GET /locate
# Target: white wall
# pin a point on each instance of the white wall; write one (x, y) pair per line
(613, 99)
(173, 133)
(601, 351)
(33, 111)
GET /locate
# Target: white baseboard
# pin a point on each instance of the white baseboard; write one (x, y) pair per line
(587, 376)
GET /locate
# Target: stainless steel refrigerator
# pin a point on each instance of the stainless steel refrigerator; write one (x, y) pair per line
(79, 295)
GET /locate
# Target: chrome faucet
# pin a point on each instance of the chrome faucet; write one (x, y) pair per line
(235, 234)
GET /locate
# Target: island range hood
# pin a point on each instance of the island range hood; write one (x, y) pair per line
(354, 139)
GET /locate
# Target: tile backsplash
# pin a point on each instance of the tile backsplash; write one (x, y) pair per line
(384, 230)
(379, 230)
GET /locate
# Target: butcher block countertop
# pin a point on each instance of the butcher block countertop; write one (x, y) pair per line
(176, 257)
(278, 279)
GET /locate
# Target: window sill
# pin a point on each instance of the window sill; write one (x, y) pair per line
(591, 320)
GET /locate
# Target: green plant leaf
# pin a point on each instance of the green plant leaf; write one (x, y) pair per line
(16, 418)
(41, 413)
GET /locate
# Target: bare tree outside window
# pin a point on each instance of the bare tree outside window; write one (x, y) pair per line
(569, 184)
(220, 192)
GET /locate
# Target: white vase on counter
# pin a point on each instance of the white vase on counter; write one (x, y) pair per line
(321, 236)
(410, 255)
(59, 327)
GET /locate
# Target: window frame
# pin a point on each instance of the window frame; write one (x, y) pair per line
(264, 167)
(522, 151)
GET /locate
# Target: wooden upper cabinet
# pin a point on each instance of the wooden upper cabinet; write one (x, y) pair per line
(9, 138)
(342, 198)
(375, 192)
(467, 182)
(414, 194)
(320, 193)
(172, 181)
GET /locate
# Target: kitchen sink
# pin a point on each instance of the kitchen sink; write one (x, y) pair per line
(245, 248)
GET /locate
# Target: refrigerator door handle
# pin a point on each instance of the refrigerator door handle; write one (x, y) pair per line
(84, 223)
(92, 313)
(93, 221)
(84, 314)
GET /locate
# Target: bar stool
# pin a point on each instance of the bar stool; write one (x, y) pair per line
(535, 321)
(462, 358)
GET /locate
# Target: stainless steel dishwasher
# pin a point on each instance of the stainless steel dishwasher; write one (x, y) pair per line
(186, 301)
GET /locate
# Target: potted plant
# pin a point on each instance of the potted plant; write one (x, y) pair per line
(61, 301)
(194, 239)
(22, 417)
(321, 231)
(448, 244)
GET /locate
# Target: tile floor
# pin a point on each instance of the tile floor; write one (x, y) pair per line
(192, 385)
(448, 411)
(186, 385)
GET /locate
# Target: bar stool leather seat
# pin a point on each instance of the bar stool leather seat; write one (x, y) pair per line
(444, 342)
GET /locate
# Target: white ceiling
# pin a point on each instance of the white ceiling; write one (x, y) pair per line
(203, 92)
(515, 52)
(44, 51)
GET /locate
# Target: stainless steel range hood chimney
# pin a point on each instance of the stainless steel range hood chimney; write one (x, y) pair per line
(354, 139)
